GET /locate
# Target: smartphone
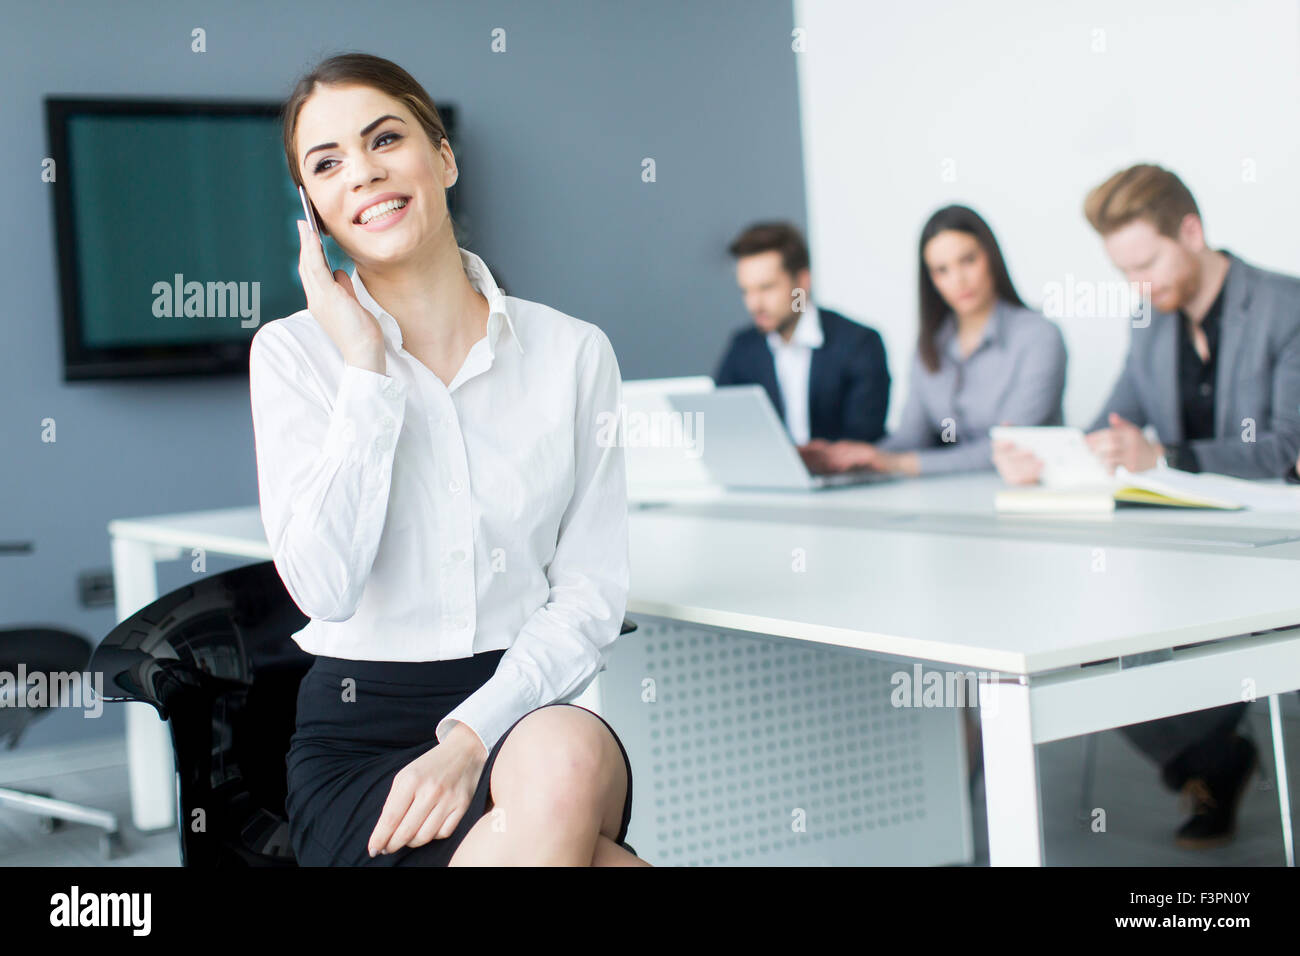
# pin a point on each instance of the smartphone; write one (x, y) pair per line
(310, 211)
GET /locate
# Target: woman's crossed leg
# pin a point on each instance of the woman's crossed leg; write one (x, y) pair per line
(556, 796)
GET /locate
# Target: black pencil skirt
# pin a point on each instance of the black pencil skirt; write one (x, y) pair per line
(344, 754)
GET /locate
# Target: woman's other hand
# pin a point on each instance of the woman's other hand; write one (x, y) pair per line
(430, 795)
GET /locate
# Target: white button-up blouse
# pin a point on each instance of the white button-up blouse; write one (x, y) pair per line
(417, 521)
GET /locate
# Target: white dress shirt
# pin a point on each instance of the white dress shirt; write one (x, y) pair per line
(793, 368)
(417, 521)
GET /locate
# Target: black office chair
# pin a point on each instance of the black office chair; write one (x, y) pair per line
(45, 651)
(217, 660)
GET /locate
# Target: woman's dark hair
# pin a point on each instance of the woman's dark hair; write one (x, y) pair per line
(359, 69)
(933, 307)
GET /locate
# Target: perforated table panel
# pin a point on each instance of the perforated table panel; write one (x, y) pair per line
(751, 750)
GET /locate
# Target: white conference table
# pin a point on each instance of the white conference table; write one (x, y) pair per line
(1053, 610)
(1071, 626)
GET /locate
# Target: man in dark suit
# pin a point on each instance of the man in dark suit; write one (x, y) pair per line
(826, 375)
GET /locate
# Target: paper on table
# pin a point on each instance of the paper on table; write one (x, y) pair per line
(1177, 488)
(1262, 495)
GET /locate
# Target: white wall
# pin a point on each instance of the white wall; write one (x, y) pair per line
(1016, 108)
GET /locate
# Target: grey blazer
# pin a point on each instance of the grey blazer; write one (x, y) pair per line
(1257, 377)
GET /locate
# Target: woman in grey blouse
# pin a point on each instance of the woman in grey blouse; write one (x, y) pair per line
(982, 359)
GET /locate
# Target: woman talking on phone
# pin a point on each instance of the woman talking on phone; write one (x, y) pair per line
(444, 502)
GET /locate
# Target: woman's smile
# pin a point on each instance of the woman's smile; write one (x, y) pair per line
(387, 219)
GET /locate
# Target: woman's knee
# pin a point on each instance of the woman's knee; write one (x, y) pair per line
(555, 760)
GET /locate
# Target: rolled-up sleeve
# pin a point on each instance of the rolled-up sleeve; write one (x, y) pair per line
(324, 469)
(564, 643)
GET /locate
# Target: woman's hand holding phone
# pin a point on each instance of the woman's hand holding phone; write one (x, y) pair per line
(333, 303)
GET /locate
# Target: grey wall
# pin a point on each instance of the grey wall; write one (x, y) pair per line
(551, 141)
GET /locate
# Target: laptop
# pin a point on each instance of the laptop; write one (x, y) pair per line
(741, 442)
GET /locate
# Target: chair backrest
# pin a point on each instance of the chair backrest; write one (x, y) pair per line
(217, 660)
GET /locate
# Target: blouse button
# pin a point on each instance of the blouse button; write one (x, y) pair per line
(458, 555)
(388, 422)
(392, 390)
(454, 486)
(381, 444)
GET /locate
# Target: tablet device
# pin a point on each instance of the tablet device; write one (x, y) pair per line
(1067, 460)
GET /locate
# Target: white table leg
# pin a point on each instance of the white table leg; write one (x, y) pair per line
(1283, 783)
(151, 766)
(1010, 774)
